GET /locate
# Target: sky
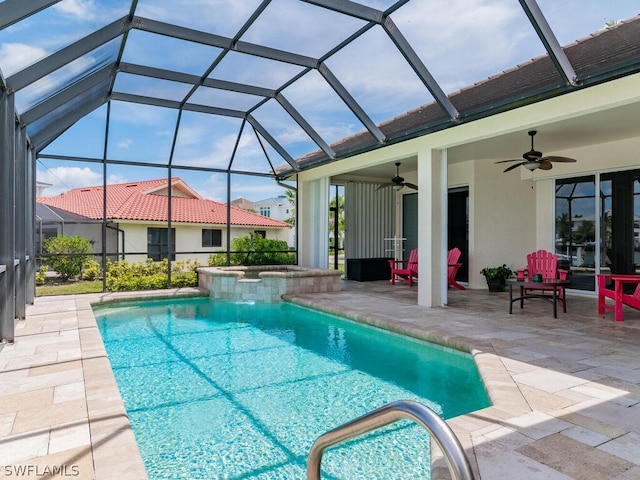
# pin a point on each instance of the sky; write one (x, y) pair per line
(459, 41)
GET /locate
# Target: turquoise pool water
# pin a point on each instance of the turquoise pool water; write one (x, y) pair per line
(223, 390)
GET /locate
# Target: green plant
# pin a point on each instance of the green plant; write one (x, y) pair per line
(254, 249)
(150, 275)
(217, 260)
(41, 275)
(497, 272)
(69, 254)
(91, 270)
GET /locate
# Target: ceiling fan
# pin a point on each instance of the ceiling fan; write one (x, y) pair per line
(534, 159)
(398, 182)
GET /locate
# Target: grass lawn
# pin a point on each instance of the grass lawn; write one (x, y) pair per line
(69, 288)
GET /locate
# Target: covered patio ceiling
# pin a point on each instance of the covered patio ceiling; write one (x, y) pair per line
(272, 86)
(599, 127)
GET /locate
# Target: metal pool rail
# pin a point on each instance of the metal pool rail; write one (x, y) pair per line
(454, 455)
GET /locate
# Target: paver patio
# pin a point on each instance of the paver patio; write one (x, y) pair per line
(565, 391)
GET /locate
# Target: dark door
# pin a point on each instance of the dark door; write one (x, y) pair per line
(410, 222)
(458, 228)
(620, 197)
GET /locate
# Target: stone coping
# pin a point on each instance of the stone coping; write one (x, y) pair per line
(277, 271)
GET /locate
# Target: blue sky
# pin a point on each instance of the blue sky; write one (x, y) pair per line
(460, 42)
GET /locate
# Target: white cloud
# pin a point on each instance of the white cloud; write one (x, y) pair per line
(83, 9)
(115, 178)
(63, 179)
(126, 143)
(16, 56)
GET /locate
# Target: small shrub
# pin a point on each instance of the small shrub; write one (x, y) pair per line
(41, 275)
(185, 265)
(184, 279)
(217, 260)
(254, 249)
(91, 270)
(71, 253)
(150, 275)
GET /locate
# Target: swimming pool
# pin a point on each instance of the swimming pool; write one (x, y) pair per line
(223, 390)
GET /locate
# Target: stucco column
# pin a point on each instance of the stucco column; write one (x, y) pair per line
(431, 223)
(313, 223)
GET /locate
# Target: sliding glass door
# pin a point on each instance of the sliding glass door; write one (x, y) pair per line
(598, 233)
(575, 233)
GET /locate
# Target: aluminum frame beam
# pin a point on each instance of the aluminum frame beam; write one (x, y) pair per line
(352, 9)
(20, 223)
(49, 64)
(548, 38)
(67, 95)
(12, 11)
(351, 103)
(300, 120)
(196, 80)
(421, 70)
(272, 141)
(7, 217)
(43, 138)
(221, 42)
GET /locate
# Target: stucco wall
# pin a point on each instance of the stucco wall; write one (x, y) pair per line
(188, 239)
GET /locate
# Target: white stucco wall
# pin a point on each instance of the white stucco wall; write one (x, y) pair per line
(188, 239)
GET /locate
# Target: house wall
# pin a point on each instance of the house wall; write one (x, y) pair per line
(188, 239)
(91, 232)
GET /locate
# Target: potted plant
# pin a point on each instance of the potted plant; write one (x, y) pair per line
(496, 277)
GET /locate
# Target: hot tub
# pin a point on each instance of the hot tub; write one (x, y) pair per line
(266, 283)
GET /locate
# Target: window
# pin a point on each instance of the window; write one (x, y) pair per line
(265, 211)
(158, 243)
(211, 237)
(262, 233)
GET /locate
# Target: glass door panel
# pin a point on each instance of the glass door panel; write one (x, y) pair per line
(575, 233)
(620, 207)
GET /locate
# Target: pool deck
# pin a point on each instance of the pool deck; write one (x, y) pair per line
(565, 391)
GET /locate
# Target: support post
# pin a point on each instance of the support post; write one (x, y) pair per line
(7, 218)
(20, 222)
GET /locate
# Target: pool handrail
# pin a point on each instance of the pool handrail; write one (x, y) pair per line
(454, 455)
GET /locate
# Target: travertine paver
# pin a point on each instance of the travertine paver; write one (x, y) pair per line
(565, 391)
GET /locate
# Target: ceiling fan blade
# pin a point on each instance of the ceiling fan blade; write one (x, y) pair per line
(505, 161)
(513, 166)
(410, 185)
(559, 159)
(545, 165)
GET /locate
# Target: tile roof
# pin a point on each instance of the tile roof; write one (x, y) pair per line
(613, 49)
(144, 201)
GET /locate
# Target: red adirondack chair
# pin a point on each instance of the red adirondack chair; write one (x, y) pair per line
(405, 270)
(546, 264)
(617, 293)
(452, 268)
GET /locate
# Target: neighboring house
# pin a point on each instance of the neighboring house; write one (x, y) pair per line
(277, 208)
(138, 212)
(52, 221)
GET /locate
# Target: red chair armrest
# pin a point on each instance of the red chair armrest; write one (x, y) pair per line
(562, 274)
(398, 262)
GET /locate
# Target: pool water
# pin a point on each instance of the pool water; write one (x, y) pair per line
(223, 390)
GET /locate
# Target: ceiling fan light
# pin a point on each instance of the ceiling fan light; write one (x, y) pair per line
(531, 166)
(397, 188)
